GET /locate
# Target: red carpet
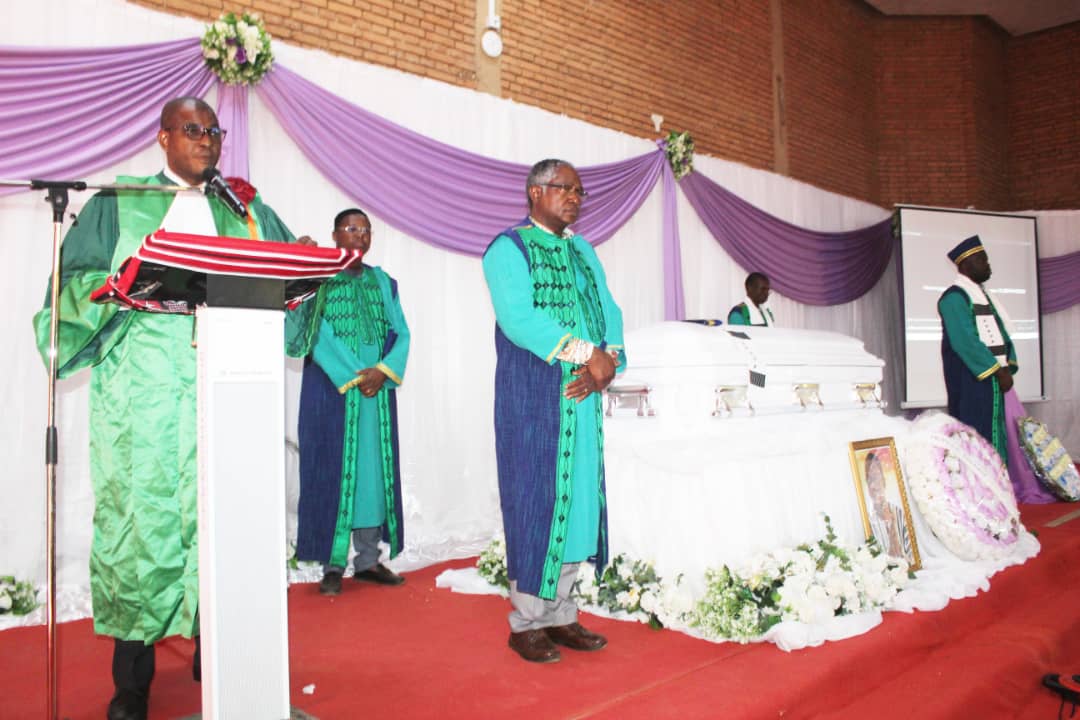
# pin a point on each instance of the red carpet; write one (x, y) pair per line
(418, 652)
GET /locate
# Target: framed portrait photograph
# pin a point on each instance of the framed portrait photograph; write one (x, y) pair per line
(883, 499)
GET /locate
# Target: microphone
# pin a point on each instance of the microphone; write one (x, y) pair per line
(217, 185)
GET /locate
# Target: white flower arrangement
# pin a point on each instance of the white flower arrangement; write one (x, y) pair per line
(492, 564)
(16, 597)
(962, 488)
(809, 584)
(237, 49)
(679, 148)
(633, 587)
(1049, 460)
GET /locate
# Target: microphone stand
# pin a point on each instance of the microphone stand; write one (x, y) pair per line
(57, 197)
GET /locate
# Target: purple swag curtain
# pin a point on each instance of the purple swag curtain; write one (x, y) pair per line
(70, 112)
(816, 268)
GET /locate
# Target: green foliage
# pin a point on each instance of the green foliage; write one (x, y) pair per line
(16, 596)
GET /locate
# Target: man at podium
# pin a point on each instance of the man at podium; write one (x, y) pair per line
(144, 555)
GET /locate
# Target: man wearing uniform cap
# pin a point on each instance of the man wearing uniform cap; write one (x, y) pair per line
(977, 355)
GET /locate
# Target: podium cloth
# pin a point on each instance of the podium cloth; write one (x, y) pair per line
(144, 556)
(350, 473)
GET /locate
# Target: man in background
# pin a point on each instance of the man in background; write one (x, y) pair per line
(977, 355)
(752, 310)
(558, 337)
(350, 474)
(144, 555)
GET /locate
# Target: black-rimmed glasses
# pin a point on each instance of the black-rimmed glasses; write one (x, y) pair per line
(195, 131)
(568, 189)
(355, 230)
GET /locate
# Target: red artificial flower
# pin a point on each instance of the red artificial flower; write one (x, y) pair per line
(243, 189)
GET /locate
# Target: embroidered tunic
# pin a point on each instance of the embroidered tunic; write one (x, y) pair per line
(350, 473)
(969, 363)
(547, 291)
(144, 554)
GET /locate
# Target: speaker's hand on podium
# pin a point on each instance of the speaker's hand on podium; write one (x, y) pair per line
(305, 240)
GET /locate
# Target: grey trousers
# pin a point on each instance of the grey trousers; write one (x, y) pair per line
(365, 542)
(532, 613)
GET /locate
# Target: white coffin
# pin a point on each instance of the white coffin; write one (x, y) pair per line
(690, 488)
(685, 366)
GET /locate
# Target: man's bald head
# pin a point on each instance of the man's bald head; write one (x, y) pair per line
(172, 108)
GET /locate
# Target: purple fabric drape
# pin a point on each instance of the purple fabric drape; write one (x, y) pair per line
(816, 268)
(1059, 282)
(674, 301)
(232, 115)
(67, 113)
(1026, 486)
(434, 192)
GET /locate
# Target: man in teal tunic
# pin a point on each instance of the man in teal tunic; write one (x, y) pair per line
(559, 341)
(978, 357)
(752, 310)
(350, 477)
(144, 554)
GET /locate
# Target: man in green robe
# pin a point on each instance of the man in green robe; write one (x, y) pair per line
(144, 554)
(752, 310)
(559, 341)
(350, 475)
(978, 358)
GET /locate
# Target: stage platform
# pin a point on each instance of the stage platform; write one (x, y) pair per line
(419, 652)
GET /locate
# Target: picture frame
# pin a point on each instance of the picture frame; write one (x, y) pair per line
(883, 501)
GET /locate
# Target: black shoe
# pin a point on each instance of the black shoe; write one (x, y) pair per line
(127, 705)
(380, 575)
(330, 583)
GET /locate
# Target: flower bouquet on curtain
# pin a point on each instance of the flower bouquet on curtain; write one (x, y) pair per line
(237, 49)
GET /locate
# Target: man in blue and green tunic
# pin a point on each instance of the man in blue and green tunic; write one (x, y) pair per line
(558, 338)
(350, 477)
(144, 555)
(977, 355)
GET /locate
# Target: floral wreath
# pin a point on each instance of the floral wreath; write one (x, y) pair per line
(1049, 460)
(237, 49)
(962, 488)
(679, 148)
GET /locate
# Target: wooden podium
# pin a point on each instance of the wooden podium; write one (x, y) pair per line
(237, 289)
(243, 613)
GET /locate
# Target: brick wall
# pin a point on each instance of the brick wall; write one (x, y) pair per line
(934, 110)
(1044, 119)
(829, 94)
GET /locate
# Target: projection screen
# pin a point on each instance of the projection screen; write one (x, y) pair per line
(1011, 241)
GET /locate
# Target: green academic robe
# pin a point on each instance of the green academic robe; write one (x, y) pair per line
(144, 554)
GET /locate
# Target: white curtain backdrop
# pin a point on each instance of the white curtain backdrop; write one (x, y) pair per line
(445, 404)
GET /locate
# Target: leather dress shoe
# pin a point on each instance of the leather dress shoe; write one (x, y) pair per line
(379, 574)
(575, 637)
(534, 646)
(127, 705)
(330, 584)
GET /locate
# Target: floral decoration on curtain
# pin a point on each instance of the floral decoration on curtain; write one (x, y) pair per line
(237, 49)
(679, 148)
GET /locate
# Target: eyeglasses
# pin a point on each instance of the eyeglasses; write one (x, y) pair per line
(354, 230)
(568, 189)
(195, 131)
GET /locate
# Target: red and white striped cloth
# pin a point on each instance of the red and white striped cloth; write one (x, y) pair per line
(168, 271)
